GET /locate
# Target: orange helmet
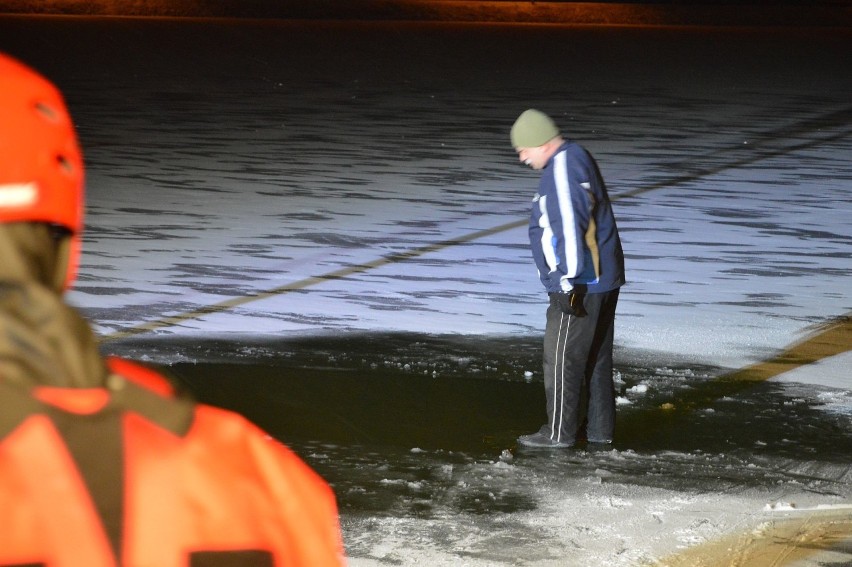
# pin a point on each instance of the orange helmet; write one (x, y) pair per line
(41, 166)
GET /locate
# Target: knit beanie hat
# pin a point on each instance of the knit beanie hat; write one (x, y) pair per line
(532, 129)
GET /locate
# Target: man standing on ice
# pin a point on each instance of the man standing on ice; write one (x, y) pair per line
(577, 251)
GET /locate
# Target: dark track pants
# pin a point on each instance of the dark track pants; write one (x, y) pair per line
(578, 370)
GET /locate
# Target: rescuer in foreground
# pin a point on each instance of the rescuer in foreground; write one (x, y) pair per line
(102, 462)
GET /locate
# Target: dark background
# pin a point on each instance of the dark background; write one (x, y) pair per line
(625, 12)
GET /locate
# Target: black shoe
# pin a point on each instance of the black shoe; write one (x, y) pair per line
(599, 446)
(539, 440)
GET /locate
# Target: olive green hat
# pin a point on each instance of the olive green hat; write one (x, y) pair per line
(532, 129)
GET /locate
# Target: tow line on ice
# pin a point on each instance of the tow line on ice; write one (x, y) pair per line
(307, 282)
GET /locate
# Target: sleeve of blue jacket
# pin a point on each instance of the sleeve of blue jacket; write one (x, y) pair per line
(562, 226)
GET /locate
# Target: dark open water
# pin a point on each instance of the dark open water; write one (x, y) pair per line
(379, 414)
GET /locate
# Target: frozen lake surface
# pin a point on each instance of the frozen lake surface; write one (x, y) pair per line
(322, 225)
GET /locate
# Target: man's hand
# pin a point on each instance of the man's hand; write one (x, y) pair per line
(571, 303)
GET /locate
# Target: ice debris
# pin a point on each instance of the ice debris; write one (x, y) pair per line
(779, 507)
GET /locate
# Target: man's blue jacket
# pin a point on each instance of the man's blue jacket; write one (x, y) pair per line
(573, 235)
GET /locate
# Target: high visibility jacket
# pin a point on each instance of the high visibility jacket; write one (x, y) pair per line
(134, 475)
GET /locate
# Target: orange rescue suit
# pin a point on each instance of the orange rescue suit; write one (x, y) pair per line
(134, 475)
